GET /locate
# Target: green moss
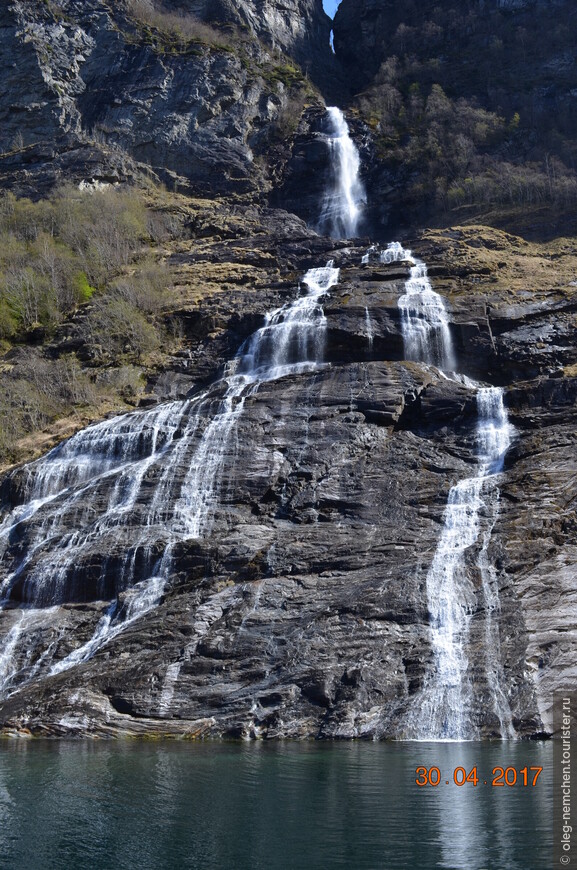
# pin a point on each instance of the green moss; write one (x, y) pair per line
(287, 73)
(83, 287)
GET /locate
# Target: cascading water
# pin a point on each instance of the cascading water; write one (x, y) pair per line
(369, 331)
(424, 319)
(89, 495)
(345, 197)
(445, 707)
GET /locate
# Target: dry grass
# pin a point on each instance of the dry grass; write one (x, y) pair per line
(502, 266)
(172, 25)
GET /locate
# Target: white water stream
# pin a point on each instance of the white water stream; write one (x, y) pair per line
(102, 515)
(88, 494)
(423, 315)
(446, 705)
(345, 196)
(445, 709)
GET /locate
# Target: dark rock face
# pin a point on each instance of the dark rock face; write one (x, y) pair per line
(301, 610)
(198, 107)
(300, 28)
(368, 32)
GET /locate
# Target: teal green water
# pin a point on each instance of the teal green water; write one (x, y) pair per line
(227, 806)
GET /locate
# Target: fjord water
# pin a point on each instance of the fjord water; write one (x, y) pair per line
(282, 806)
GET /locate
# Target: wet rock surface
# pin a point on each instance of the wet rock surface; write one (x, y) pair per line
(302, 610)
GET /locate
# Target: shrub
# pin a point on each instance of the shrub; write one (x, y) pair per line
(55, 253)
(116, 331)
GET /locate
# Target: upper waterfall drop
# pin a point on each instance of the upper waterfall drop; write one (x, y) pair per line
(343, 202)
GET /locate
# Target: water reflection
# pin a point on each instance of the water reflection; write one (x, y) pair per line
(488, 826)
(287, 806)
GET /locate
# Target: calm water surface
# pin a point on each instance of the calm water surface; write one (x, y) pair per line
(225, 806)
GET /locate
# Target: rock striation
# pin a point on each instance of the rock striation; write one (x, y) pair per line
(96, 90)
(299, 28)
(302, 610)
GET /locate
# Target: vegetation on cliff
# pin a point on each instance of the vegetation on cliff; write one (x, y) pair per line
(472, 107)
(106, 292)
(77, 257)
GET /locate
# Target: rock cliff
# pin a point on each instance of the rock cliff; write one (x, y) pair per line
(96, 89)
(250, 558)
(302, 612)
(299, 28)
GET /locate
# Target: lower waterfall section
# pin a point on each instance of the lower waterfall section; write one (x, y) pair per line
(123, 479)
(447, 705)
(448, 702)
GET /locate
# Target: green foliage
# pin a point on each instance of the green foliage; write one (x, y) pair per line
(8, 322)
(288, 73)
(453, 151)
(83, 287)
(118, 327)
(77, 256)
(55, 252)
(115, 330)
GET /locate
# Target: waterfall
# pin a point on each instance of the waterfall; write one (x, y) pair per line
(366, 258)
(104, 511)
(290, 342)
(369, 331)
(345, 197)
(424, 320)
(395, 253)
(446, 706)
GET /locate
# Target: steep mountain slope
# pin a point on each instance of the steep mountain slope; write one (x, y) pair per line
(252, 557)
(196, 102)
(301, 610)
(472, 106)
